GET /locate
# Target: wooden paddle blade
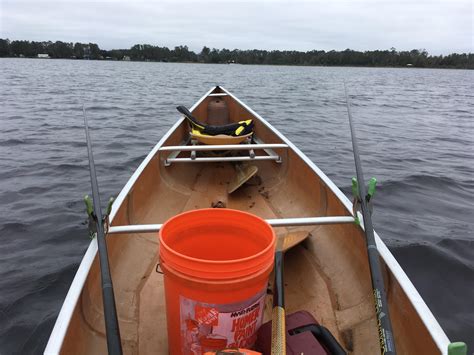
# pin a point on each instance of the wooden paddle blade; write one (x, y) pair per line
(289, 240)
(244, 174)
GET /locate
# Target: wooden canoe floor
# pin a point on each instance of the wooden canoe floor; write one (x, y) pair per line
(327, 274)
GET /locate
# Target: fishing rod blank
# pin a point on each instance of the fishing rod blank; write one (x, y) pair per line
(114, 344)
(387, 344)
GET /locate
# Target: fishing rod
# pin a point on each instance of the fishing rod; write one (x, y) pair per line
(114, 344)
(387, 344)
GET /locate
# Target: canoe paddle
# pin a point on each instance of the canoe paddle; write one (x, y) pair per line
(387, 344)
(114, 344)
(278, 312)
(284, 243)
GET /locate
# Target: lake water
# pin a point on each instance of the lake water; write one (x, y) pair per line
(415, 126)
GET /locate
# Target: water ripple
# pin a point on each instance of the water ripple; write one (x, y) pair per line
(415, 129)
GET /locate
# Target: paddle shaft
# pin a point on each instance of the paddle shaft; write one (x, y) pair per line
(114, 344)
(278, 313)
(387, 344)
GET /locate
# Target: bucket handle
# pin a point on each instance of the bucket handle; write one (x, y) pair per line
(158, 268)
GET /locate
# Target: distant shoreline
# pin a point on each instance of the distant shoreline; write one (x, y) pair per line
(276, 65)
(416, 58)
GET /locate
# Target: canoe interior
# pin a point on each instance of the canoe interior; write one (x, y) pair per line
(326, 275)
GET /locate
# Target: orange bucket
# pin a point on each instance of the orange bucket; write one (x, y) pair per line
(216, 264)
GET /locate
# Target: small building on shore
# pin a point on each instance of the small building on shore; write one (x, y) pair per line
(43, 56)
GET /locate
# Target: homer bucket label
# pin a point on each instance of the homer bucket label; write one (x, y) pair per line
(212, 327)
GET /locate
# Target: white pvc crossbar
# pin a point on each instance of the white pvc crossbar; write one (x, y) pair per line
(309, 221)
(221, 159)
(188, 148)
(279, 222)
(218, 94)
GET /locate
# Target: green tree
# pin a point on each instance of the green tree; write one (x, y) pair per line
(4, 47)
(78, 50)
(60, 49)
(94, 51)
(136, 52)
(204, 55)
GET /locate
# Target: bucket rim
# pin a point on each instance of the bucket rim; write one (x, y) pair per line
(213, 281)
(271, 245)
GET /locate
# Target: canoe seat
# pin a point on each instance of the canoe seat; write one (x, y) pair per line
(232, 133)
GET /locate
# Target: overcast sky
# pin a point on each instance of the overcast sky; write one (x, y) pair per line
(442, 26)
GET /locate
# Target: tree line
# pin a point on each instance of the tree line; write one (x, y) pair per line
(146, 52)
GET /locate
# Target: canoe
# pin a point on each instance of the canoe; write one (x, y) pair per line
(327, 274)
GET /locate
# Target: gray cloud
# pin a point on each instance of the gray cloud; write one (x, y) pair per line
(442, 26)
